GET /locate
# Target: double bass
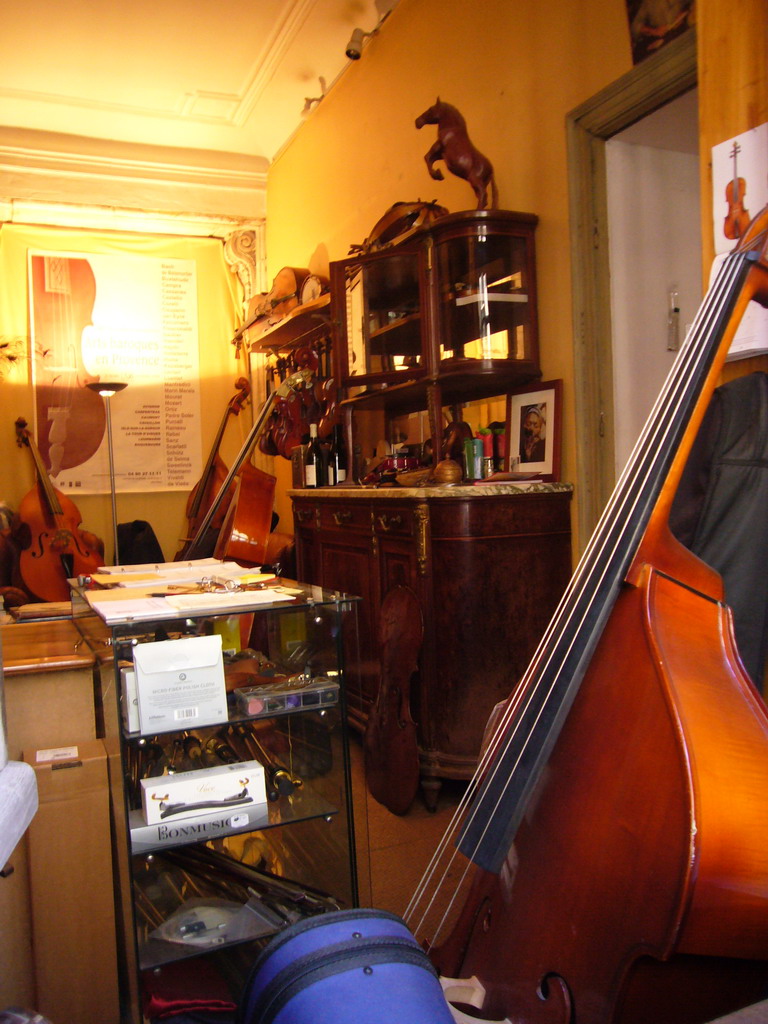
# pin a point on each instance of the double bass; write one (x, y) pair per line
(610, 864)
(53, 548)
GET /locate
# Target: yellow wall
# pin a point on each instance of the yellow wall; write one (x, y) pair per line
(514, 70)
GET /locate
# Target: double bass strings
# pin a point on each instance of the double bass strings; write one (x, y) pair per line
(597, 550)
(632, 495)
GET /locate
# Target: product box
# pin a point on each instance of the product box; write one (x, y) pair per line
(70, 867)
(279, 699)
(177, 831)
(180, 683)
(223, 787)
(129, 701)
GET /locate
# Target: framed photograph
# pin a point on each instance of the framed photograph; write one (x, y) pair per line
(534, 416)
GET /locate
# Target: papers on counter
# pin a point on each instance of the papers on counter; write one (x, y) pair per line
(169, 572)
(160, 591)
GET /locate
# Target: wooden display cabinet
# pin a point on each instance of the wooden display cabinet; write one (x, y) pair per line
(446, 317)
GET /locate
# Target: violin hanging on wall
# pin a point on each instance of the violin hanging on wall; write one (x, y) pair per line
(53, 548)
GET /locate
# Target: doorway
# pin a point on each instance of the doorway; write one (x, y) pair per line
(653, 190)
(668, 75)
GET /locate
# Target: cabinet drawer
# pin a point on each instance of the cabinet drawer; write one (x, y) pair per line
(345, 516)
(393, 521)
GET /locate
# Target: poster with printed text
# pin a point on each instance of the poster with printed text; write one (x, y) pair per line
(98, 319)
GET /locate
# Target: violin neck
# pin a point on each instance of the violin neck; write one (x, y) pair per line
(51, 496)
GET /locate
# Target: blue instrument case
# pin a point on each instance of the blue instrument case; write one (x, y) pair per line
(344, 967)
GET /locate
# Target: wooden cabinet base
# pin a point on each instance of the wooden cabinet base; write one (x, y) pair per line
(488, 565)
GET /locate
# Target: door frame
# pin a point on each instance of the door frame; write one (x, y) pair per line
(649, 85)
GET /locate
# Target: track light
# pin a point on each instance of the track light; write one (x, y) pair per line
(355, 45)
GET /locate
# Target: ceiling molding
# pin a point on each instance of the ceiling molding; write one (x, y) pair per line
(46, 166)
(110, 218)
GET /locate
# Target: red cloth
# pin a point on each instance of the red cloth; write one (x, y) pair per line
(184, 986)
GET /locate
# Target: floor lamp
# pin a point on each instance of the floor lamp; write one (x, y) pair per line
(107, 389)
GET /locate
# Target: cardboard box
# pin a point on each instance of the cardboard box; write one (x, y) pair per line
(180, 683)
(70, 869)
(186, 794)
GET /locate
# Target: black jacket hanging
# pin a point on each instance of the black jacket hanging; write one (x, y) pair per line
(721, 509)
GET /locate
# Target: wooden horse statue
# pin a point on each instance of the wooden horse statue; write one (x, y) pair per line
(461, 158)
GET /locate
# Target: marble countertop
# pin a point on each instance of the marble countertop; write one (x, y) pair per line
(434, 491)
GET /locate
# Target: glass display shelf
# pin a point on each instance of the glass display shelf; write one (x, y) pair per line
(252, 827)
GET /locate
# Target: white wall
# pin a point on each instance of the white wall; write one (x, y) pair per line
(655, 245)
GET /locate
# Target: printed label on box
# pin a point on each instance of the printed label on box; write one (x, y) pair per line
(195, 829)
(180, 683)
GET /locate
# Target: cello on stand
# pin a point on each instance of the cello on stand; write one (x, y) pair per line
(214, 473)
(247, 518)
(610, 864)
(52, 547)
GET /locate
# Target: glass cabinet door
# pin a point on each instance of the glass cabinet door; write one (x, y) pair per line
(384, 317)
(486, 307)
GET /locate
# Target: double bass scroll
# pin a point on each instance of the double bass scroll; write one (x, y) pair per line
(612, 854)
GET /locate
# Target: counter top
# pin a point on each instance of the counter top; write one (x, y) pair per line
(43, 647)
(436, 491)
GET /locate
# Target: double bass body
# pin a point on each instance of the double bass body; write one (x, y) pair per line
(621, 875)
(636, 888)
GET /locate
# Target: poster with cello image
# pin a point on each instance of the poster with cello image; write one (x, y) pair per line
(534, 427)
(739, 193)
(98, 318)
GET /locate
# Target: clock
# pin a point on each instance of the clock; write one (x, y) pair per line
(311, 288)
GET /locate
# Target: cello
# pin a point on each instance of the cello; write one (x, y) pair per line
(244, 533)
(52, 546)
(610, 863)
(215, 471)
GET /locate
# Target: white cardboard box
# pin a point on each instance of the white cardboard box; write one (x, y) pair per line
(180, 683)
(186, 794)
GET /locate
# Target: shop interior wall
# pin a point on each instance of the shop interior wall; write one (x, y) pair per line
(514, 70)
(219, 304)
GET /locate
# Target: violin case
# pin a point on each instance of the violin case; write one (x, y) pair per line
(345, 967)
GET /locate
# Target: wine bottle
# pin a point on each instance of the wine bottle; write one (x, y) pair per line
(315, 468)
(337, 460)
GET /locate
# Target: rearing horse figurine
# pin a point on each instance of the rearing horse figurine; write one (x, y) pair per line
(461, 158)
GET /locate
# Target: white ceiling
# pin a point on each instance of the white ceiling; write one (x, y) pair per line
(198, 74)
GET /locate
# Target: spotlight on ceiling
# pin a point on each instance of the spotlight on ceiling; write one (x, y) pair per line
(355, 45)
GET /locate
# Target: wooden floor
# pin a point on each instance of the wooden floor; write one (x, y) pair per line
(393, 851)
